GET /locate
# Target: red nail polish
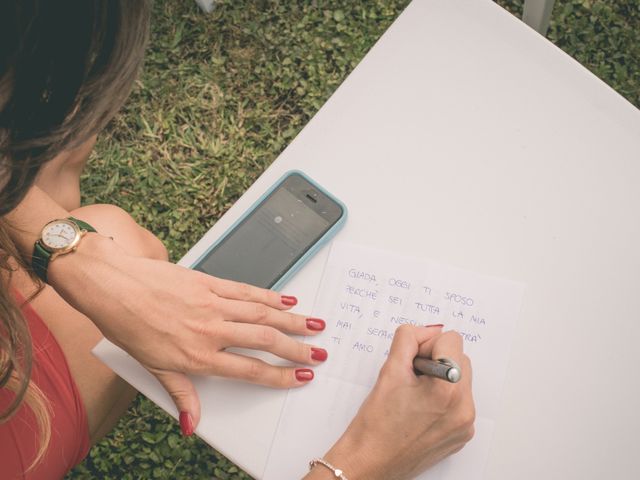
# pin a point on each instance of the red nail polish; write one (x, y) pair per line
(186, 424)
(319, 354)
(315, 324)
(288, 300)
(433, 325)
(304, 374)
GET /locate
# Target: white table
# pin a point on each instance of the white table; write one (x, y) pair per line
(466, 137)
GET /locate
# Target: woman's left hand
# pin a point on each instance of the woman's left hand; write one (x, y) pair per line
(177, 321)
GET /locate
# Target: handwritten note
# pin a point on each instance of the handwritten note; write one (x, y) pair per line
(364, 296)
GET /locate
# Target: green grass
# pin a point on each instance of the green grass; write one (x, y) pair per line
(220, 97)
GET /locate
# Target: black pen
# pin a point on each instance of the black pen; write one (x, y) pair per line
(443, 368)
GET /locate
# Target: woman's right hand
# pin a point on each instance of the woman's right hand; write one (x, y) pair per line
(407, 423)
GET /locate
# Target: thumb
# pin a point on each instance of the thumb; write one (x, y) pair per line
(184, 396)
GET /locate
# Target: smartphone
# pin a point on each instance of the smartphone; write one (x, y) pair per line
(277, 235)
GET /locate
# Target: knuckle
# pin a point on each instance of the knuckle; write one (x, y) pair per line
(469, 434)
(455, 450)
(462, 421)
(284, 378)
(204, 280)
(289, 320)
(179, 394)
(303, 352)
(214, 284)
(455, 337)
(404, 329)
(459, 446)
(267, 337)
(200, 328)
(254, 372)
(244, 290)
(195, 359)
(212, 303)
(261, 313)
(295, 323)
(271, 297)
(230, 334)
(467, 418)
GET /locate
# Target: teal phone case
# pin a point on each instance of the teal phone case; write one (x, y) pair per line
(317, 246)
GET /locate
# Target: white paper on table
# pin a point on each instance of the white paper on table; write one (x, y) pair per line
(364, 296)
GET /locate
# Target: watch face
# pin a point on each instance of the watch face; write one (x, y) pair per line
(58, 235)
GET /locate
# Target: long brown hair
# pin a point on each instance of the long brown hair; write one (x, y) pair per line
(65, 70)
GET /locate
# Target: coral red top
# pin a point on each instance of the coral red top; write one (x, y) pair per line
(69, 428)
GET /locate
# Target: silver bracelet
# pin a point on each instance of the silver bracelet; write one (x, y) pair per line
(336, 471)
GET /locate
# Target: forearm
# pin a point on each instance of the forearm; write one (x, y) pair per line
(84, 278)
(69, 274)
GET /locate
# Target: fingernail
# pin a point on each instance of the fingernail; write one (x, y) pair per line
(304, 374)
(319, 354)
(288, 300)
(186, 424)
(435, 325)
(315, 324)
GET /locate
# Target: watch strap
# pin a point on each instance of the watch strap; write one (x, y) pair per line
(40, 261)
(41, 256)
(82, 225)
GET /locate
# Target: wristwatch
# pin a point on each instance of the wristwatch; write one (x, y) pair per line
(58, 237)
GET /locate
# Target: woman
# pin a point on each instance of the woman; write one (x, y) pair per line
(65, 69)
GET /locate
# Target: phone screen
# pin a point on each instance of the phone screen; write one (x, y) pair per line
(274, 236)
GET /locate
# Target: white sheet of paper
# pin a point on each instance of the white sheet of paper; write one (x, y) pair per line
(365, 295)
